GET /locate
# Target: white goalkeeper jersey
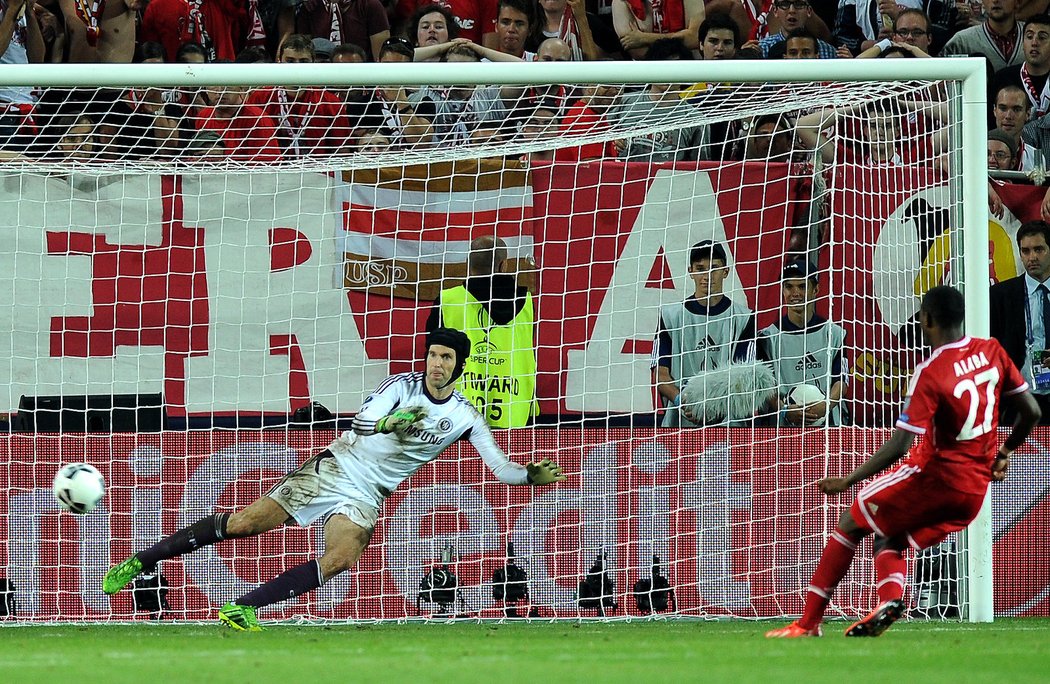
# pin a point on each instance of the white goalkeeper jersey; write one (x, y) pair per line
(383, 461)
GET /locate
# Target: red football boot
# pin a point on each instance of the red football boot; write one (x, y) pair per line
(794, 631)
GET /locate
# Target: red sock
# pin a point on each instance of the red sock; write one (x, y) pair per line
(833, 565)
(891, 570)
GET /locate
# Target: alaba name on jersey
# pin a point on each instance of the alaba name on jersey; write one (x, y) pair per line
(953, 402)
(383, 461)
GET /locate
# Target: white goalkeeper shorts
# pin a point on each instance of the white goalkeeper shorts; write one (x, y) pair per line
(321, 488)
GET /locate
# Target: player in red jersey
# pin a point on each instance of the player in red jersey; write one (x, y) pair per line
(953, 401)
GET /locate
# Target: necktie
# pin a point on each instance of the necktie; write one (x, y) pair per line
(1043, 292)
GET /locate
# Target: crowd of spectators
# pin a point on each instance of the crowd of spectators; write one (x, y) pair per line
(281, 123)
(266, 124)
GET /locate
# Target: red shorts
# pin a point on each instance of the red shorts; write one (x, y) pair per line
(922, 509)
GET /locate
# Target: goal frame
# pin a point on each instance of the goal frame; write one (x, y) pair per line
(970, 244)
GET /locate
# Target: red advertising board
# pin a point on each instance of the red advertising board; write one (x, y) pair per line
(732, 516)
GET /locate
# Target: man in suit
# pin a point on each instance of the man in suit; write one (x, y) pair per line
(1020, 315)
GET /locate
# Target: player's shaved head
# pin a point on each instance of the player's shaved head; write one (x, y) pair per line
(945, 307)
(487, 254)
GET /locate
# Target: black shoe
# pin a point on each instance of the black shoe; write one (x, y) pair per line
(878, 621)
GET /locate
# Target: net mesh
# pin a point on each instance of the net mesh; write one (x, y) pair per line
(106, 130)
(224, 257)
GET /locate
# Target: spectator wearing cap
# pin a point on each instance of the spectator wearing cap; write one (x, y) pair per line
(1002, 156)
(1012, 111)
(310, 120)
(1002, 151)
(805, 348)
(323, 50)
(396, 49)
(361, 22)
(706, 331)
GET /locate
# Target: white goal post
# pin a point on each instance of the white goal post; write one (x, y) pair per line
(598, 378)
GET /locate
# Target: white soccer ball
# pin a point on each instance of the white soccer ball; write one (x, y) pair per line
(78, 487)
(803, 394)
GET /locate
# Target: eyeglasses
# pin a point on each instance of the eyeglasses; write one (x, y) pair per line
(912, 33)
(1000, 155)
(788, 4)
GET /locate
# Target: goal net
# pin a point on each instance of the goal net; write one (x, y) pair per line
(210, 268)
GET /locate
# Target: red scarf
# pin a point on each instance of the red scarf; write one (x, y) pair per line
(197, 28)
(89, 12)
(668, 15)
(567, 32)
(758, 12)
(256, 30)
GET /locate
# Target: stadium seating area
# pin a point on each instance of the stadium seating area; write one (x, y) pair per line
(268, 124)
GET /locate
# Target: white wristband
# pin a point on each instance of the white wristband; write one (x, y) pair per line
(884, 44)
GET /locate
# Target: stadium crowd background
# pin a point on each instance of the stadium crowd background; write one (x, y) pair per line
(269, 124)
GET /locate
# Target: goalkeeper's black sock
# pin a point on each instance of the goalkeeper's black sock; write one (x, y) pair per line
(204, 532)
(289, 584)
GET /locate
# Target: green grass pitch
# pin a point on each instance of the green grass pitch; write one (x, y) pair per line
(1011, 651)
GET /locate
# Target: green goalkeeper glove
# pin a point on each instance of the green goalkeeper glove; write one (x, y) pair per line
(545, 472)
(397, 421)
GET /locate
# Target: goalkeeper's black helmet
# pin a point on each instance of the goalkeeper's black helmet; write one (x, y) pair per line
(457, 342)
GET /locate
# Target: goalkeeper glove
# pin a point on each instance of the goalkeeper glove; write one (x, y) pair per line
(398, 420)
(545, 472)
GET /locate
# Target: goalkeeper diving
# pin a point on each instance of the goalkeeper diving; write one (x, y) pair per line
(404, 424)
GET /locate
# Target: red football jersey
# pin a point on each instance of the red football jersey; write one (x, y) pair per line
(313, 124)
(953, 400)
(250, 136)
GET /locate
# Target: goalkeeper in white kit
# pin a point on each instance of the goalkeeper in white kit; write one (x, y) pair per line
(405, 423)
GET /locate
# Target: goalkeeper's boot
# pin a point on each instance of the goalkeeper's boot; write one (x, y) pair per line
(878, 621)
(121, 574)
(239, 618)
(794, 631)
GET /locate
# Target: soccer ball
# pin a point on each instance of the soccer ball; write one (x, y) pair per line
(803, 394)
(78, 487)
